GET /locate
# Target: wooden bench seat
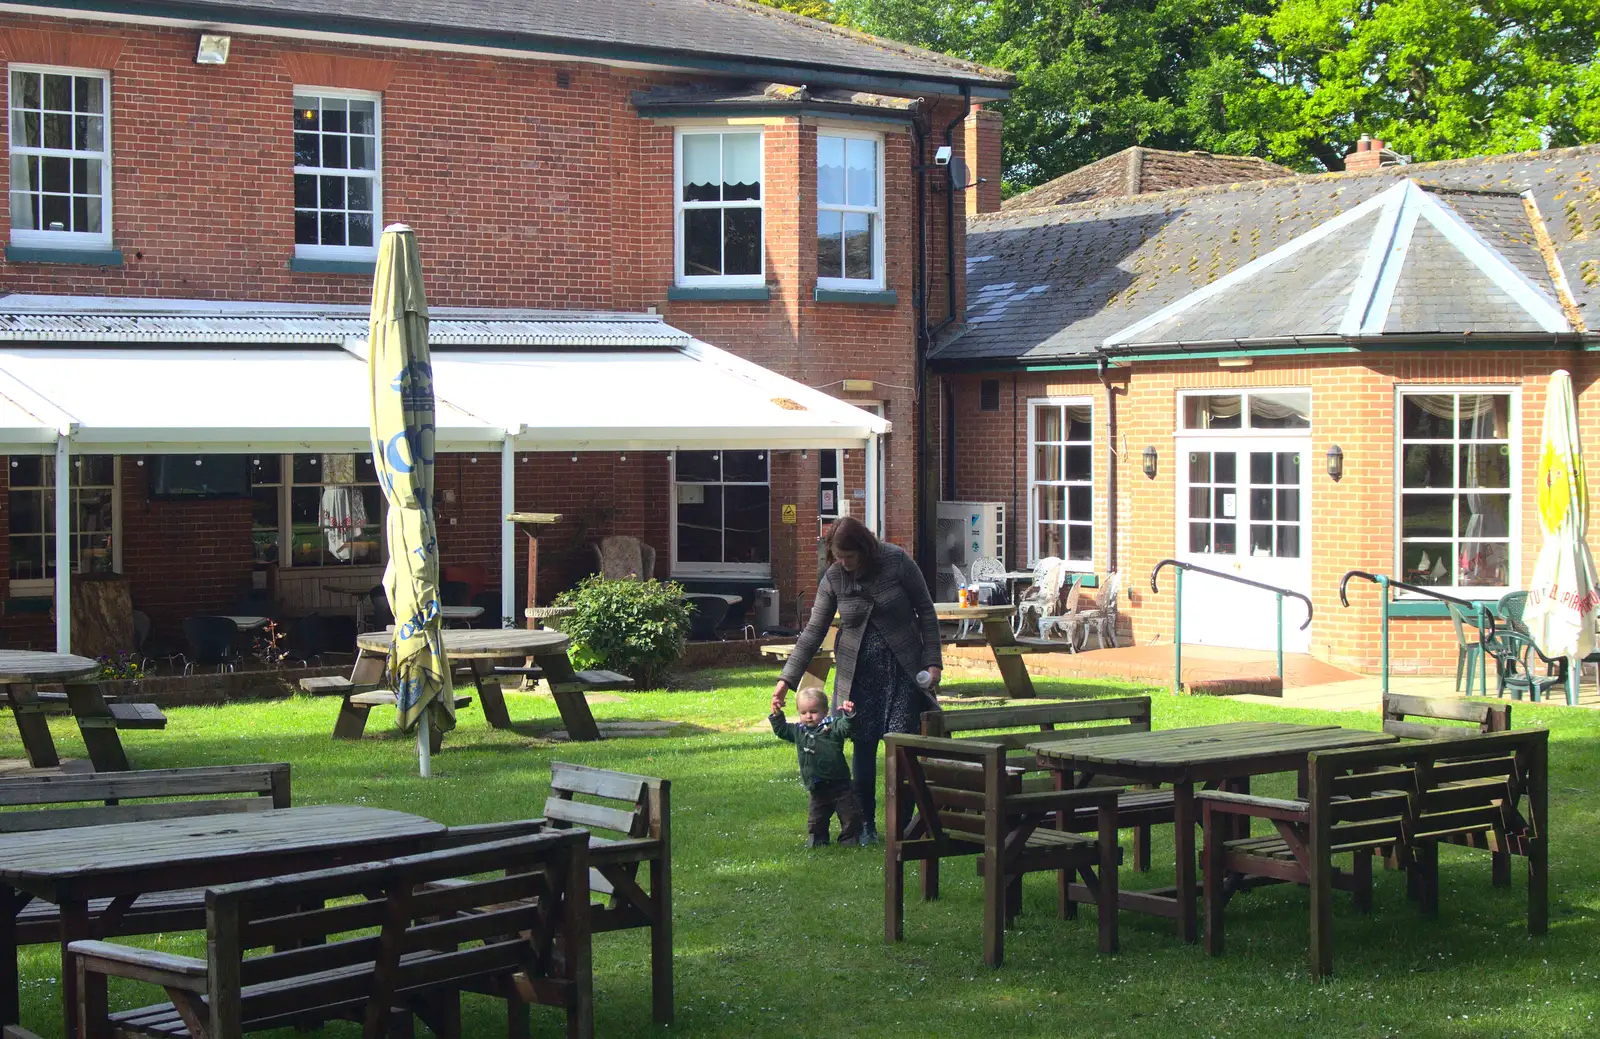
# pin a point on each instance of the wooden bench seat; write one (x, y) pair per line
(358, 704)
(325, 685)
(378, 943)
(138, 715)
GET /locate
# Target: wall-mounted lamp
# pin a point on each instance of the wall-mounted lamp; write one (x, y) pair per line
(213, 49)
(1150, 462)
(1335, 461)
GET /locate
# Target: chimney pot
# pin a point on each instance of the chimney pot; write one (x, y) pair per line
(1364, 144)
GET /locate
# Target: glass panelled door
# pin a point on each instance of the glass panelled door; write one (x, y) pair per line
(1243, 509)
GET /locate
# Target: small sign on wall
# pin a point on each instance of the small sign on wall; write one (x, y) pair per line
(691, 494)
(829, 504)
(788, 514)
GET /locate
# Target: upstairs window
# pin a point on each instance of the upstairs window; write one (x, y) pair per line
(849, 211)
(338, 190)
(60, 157)
(719, 214)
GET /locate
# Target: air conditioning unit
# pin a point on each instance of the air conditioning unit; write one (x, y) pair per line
(964, 531)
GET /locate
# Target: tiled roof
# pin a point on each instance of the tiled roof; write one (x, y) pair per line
(672, 33)
(667, 100)
(1135, 171)
(1058, 282)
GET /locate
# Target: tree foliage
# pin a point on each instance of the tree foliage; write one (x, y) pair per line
(1296, 81)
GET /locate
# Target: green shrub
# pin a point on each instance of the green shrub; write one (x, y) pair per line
(635, 627)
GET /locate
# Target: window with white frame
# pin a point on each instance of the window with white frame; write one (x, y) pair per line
(719, 207)
(722, 512)
(1274, 410)
(335, 511)
(1458, 497)
(849, 210)
(60, 157)
(338, 189)
(830, 481)
(32, 502)
(266, 508)
(1061, 480)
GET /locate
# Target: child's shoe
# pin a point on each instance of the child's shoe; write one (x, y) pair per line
(816, 842)
(869, 835)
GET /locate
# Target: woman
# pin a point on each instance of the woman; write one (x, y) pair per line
(887, 633)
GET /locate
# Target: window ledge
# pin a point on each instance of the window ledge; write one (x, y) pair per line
(758, 293)
(880, 297)
(305, 266)
(84, 257)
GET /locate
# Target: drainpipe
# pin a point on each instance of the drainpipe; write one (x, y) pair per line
(1104, 368)
(927, 491)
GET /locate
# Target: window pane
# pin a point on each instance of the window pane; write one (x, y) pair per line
(1261, 467)
(363, 117)
(25, 88)
(27, 513)
(699, 466)
(1080, 542)
(305, 113)
(57, 130)
(702, 167)
(1261, 503)
(360, 232)
(305, 227)
(1052, 503)
(57, 92)
(1280, 411)
(741, 166)
(1225, 539)
(1289, 468)
(305, 191)
(89, 132)
(1079, 466)
(55, 174)
(335, 115)
(1200, 467)
(93, 470)
(1261, 539)
(1427, 515)
(1485, 465)
(1288, 542)
(1426, 465)
(307, 152)
(828, 465)
(1427, 563)
(1080, 503)
(1199, 537)
(858, 258)
(1051, 542)
(1047, 424)
(29, 471)
(830, 244)
(333, 229)
(307, 469)
(88, 91)
(702, 242)
(1225, 465)
(1485, 564)
(830, 171)
(861, 187)
(56, 212)
(742, 249)
(1485, 515)
(266, 469)
(748, 517)
(1047, 462)
(1289, 505)
(1219, 412)
(700, 528)
(1078, 428)
(27, 558)
(744, 466)
(1427, 416)
(1199, 503)
(1484, 416)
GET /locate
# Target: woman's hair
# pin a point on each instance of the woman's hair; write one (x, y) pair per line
(849, 534)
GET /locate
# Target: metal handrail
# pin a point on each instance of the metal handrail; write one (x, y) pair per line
(1486, 625)
(1177, 612)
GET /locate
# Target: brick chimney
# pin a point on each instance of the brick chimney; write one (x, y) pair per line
(1370, 154)
(982, 147)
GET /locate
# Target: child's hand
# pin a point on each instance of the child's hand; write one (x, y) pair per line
(777, 703)
(847, 706)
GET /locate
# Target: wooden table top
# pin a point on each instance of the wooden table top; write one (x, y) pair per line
(83, 851)
(1203, 744)
(245, 623)
(26, 666)
(954, 611)
(482, 643)
(461, 613)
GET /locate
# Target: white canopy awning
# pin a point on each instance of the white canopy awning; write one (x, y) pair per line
(225, 382)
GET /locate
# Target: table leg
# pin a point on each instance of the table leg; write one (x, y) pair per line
(32, 726)
(1183, 818)
(1008, 657)
(74, 927)
(567, 691)
(490, 694)
(368, 670)
(11, 903)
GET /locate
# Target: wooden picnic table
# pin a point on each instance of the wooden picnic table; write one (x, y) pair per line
(124, 860)
(1215, 755)
(995, 623)
(481, 648)
(21, 671)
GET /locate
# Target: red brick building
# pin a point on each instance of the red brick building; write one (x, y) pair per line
(1284, 379)
(777, 188)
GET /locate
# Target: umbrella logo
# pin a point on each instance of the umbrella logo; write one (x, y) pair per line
(1555, 488)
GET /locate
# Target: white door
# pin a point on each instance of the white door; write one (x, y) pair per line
(1243, 509)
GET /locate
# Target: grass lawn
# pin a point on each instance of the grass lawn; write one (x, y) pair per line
(775, 940)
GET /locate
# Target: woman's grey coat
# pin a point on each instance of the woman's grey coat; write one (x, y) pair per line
(893, 595)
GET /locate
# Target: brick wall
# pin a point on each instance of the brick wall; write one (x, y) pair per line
(523, 193)
(1352, 520)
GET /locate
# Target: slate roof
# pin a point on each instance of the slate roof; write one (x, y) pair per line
(1056, 283)
(674, 33)
(1134, 171)
(743, 97)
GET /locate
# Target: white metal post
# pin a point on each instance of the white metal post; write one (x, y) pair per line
(508, 532)
(63, 544)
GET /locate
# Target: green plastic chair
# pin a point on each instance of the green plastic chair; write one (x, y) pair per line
(1511, 651)
(1468, 653)
(1510, 609)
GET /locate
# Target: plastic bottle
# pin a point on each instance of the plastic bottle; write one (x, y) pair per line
(924, 679)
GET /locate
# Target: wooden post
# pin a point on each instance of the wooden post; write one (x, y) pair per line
(530, 522)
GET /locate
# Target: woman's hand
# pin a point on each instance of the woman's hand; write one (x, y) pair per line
(780, 695)
(935, 673)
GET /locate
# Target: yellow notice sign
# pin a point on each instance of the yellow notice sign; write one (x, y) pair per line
(788, 514)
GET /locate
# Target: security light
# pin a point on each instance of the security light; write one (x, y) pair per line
(213, 49)
(941, 157)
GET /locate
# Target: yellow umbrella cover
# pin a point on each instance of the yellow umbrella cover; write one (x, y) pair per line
(1563, 602)
(402, 452)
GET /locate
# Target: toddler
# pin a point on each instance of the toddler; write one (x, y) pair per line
(819, 743)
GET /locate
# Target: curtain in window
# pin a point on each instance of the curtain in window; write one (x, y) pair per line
(22, 206)
(702, 166)
(741, 162)
(1275, 408)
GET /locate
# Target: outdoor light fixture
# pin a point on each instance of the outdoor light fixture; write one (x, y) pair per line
(1150, 462)
(1335, 461)
(213, 49)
